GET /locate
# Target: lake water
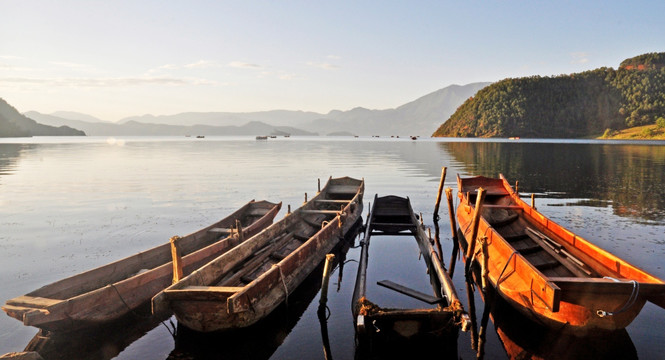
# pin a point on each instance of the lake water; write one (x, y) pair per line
(71, 204)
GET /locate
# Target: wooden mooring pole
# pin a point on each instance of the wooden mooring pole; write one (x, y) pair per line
(177, 259)
(453, 230)
(326, 278)
(241, 236)
(480, 197)
(438, 196)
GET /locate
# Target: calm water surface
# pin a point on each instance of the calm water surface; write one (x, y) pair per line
(70, 204)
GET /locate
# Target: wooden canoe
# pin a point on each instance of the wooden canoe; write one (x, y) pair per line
(544, 270)
(113, 290)
(394, 216)
(245, 284)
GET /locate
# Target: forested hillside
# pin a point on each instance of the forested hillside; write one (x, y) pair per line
(565, 106)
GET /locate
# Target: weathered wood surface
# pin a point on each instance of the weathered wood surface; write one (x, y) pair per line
(110, 291)
(546, 271)
(266, 268)
(393, 215)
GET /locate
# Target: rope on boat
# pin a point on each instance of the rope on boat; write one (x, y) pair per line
(286, 290)
(630, 302)
(498, 280)
(127, 305)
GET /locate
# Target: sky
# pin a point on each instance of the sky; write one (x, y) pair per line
(120, 58)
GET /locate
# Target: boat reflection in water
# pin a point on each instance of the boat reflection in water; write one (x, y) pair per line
(523, 338)
(98, 343)
(260, 340)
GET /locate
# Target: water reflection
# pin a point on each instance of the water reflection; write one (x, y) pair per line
(522, 338)
(624, 174)
(100, 343)
(9, 155)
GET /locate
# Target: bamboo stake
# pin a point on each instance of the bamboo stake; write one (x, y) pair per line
(484, 269)
(482, 332)
(177, 259)
(472, 313)
(453, 230)
(437, 240)
(326, 278)
(480, 197)
(451, 211)
(241, 236)
(438, 197)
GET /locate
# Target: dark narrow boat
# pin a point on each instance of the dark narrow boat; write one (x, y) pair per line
(393, 215)
(544, 270)
(113, 290)
(247, 283)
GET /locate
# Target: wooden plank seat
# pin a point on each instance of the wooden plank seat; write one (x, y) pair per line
(506, 207)
(328, 212)
(349, 190)
(410, 292)
(329, 201)
(221, 230)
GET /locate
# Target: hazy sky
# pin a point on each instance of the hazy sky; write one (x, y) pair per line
(113, 59)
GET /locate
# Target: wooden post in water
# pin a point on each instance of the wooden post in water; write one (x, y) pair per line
(480, 197)
(177, 259)
(319, 185)
(438, 197)
(533, 201)
(326, 278)
(288, 211)
(241, 236)
(472, 312)
(451, 212)
(453, 230)
(305, 199)
(482, 332)
(517, 184)
(484, 273)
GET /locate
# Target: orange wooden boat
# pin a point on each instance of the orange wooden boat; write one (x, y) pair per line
(544, 270)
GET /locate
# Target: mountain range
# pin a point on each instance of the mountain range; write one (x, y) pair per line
(13, 124)
(419, 117)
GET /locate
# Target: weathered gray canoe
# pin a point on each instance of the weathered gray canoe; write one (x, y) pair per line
(245, 284)
(110, 291)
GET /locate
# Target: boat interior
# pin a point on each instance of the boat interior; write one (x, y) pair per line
(313, 217)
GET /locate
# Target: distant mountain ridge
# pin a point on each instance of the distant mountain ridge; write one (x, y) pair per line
(13, 124)
(418, 117)
(136, 128)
